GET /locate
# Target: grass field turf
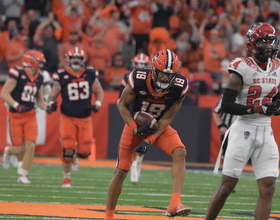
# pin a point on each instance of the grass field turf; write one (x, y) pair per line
(148, 199)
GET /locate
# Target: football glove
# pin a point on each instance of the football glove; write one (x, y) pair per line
(52, 106)
(145, 130)
(94, 108)
(22, 108)
(142, 147)
(269, 108)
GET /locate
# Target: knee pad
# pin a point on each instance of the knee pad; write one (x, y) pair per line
(68, 155)
(83, 156)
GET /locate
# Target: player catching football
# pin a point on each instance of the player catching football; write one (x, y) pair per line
(160, 92)
(76, 85)
(254, 82)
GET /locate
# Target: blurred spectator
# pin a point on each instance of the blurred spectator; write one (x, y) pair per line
(66, 46)
(159, 39)
(140, 16)
(5, 37)
(14, 54)
(265, 11)
(56, 5)
(213, 51)
(162, 14)
(93, 6)
(12, 10)
(238, 43)
(91, 31)
(24, 25)
(251, 12)
(191, 11)
(202, 79)
(174, 19)
(34, 22)
(38, 6)
(39, 44)
(99, 56)
(114, 74)
(51, 33)
(72, 17)
(192, 56)
(113, 35)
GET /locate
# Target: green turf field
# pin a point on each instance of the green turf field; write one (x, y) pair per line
(89, 186)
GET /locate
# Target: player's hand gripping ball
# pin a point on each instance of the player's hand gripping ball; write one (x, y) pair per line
(146, 123)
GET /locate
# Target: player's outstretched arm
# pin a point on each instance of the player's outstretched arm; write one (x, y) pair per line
(7, 89)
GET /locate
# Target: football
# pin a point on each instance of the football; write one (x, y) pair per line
(143, 118)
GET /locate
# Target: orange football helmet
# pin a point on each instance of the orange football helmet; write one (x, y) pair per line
(32, 58)
(165, 61)
(141, 60)
(76, 52)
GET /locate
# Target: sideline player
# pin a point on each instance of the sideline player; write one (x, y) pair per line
(76, 85)
(141, 60)
(159, 91)
(254, 82)
(20, 91)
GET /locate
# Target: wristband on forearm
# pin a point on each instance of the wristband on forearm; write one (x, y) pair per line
(132, 126)
(151, 138)
(221, 125)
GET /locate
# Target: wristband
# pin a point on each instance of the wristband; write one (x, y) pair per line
(132, 126)
(151, 138)
(220, 125)
(15, 105)
(98, 103)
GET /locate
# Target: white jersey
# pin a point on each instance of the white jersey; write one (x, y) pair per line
(259, 86)
(47, 77)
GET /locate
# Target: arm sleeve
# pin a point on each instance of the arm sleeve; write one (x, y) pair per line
(230, 106)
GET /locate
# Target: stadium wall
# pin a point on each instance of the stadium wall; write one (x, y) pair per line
(51, 143)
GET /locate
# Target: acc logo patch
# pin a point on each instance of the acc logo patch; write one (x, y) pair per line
(246, 134)
(143, 93)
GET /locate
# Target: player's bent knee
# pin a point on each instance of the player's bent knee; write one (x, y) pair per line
(68, 155)
(83, 156)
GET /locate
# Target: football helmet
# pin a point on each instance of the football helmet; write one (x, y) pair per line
(165, 61)
(32, 58)
(141, 60)
(258, 37)
(78, 53)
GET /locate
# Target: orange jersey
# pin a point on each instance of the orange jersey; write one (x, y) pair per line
(99, 58)
(211, 64)
(114, 75)
(142, 18)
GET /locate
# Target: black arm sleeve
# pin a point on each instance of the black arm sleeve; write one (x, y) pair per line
(229, 105)
(277, 96)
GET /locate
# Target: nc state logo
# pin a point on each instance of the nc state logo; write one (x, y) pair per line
(246, 134)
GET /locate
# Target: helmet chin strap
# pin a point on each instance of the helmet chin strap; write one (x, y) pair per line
(75, 67)
(162, 85)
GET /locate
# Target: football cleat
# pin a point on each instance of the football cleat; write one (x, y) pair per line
(23, 179)
(75, 164)
(66, 183)
(135, 172)
(180, 210)
(6, 159)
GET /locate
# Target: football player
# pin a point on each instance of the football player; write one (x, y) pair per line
(254, 83)
(76, 86)
(160, 92)
(141, 60)
(20, 91)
